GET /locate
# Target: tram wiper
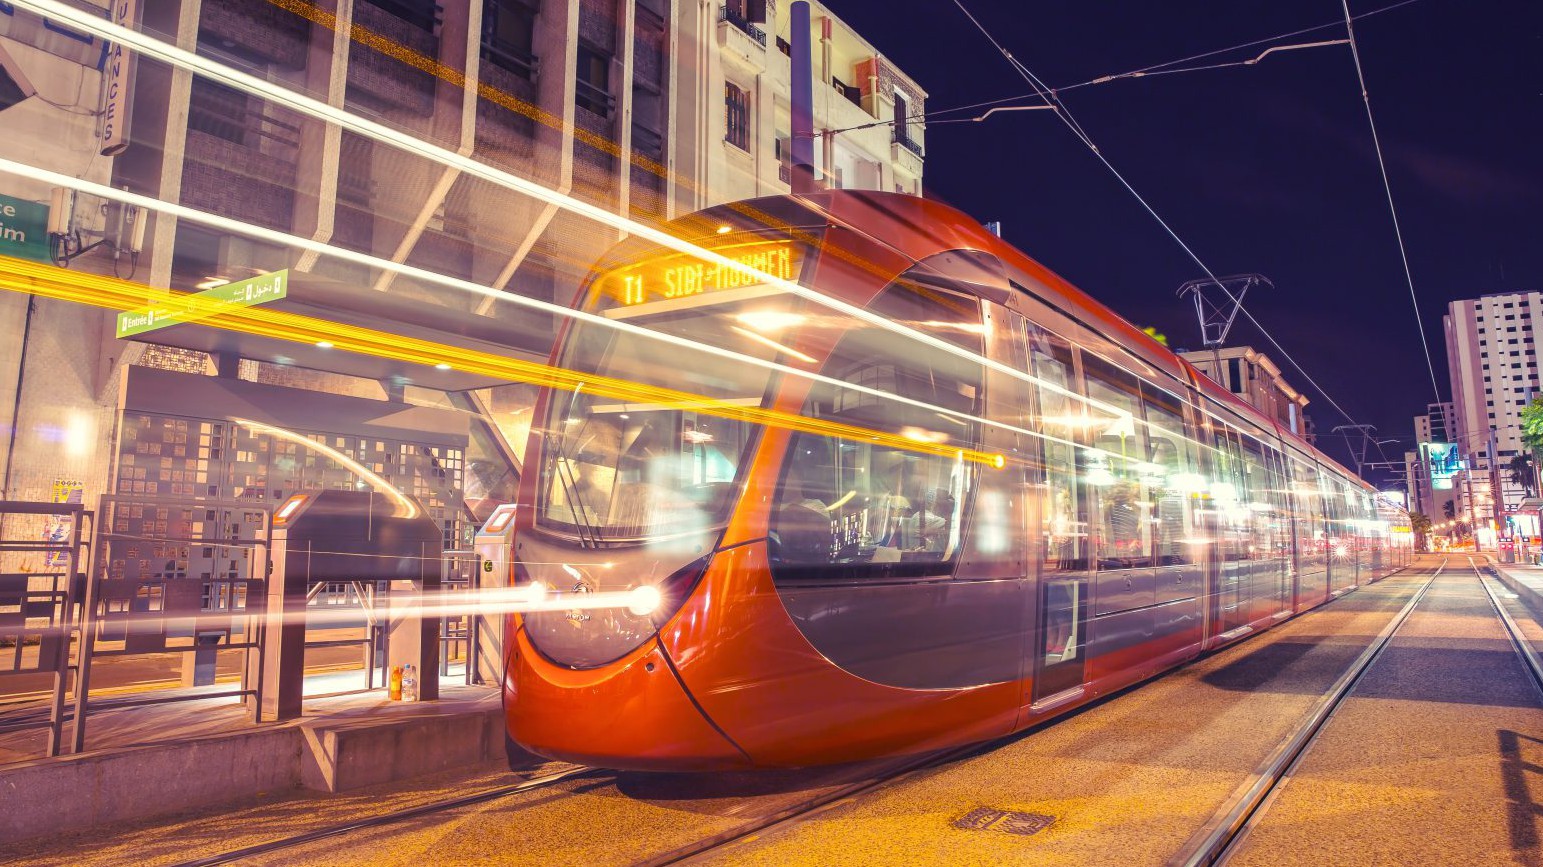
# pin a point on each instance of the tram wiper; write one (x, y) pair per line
(589, 537)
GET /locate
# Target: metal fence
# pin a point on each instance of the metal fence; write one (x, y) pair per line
(38, 609)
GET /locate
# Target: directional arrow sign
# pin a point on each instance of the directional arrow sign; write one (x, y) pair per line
(191, 308)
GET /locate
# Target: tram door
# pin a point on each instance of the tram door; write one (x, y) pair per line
(1232, 534)
(1058, 648)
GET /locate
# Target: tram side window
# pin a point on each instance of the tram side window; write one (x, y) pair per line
(1115, 465)
(1333, 515)
(1061, 418)
(1229, 496)
(855, 508)
(1261, 504)
(1173, 477)
(1309, 514)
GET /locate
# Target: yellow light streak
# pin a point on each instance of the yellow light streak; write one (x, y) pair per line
(267, 90)
(20, 275)
(392, 137)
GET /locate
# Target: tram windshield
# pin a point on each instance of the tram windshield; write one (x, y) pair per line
(618, 464)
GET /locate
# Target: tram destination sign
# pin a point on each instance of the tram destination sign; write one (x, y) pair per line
(677, 275)
(181, 309)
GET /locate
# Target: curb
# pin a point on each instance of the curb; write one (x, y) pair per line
(50, 796)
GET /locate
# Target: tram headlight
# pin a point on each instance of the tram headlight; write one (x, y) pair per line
(644, 600)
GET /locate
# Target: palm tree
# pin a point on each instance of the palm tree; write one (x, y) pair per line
(1449, 508)
(1420, 524)
(1520, 469)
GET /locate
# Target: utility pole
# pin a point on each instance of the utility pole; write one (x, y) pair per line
(1496, 501)
(1357, 455)
(802, 108)
(1472, 523)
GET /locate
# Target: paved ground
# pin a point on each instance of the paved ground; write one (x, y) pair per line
(1127, 782)
(330, 672)
(1124, 782)
(1436, 758)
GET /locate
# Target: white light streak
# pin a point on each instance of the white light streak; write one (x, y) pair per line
(405, 505)
(767, 341)
(771, 320)
(301, 103)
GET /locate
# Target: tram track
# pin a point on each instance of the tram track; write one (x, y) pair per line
(533, 784)
(809, 808)
(1224, 834)
(1213, 842)
(1277, 767)
(1519, 643)
(782, 818)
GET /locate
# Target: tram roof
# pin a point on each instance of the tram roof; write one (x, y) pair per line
(933, 228)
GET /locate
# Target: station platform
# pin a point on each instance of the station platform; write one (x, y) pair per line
(149, 760)
(1526, 582)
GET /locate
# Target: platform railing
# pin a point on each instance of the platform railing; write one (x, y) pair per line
(142, 620)
(39, 608)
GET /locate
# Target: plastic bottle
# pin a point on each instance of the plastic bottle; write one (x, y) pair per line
(410, 683)
(394, 685)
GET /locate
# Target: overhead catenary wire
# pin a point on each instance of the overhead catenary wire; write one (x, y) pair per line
(1387, 187)
(935, 116)
(1062, 112)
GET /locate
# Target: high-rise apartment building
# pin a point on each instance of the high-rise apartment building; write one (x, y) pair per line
(1492, 356)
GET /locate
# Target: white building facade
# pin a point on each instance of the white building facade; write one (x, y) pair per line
(1492, 357)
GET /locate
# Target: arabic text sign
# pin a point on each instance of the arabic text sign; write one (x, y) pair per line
(191, 308)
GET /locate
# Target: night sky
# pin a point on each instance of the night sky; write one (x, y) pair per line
(1267, 168)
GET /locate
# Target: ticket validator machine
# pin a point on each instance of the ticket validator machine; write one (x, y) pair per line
(341, 536)
(495, 568)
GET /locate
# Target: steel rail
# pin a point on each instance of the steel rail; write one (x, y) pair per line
(1523, 647)
(530, 785)
(796, 812)
(1211, 843)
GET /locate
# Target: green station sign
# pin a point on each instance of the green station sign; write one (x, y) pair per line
(24, 229)
(201, 305)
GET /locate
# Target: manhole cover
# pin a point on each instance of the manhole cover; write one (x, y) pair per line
(1006, 821)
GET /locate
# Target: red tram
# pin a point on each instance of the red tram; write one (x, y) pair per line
(826, 596)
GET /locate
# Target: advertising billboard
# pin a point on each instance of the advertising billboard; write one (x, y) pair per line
(1444, 464)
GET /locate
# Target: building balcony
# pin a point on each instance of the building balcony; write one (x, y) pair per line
(262, 29)
(387, 83)
(507, 57)
(852, 94)
(906, 155)
(730, 16)
(904, 140)
(742, 40)
(425, 16)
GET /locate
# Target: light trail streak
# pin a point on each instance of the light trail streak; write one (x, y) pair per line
(370, 129)
(236, 227)
(23, 276)
(405, 506)
(307, 105)
(641, 601)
